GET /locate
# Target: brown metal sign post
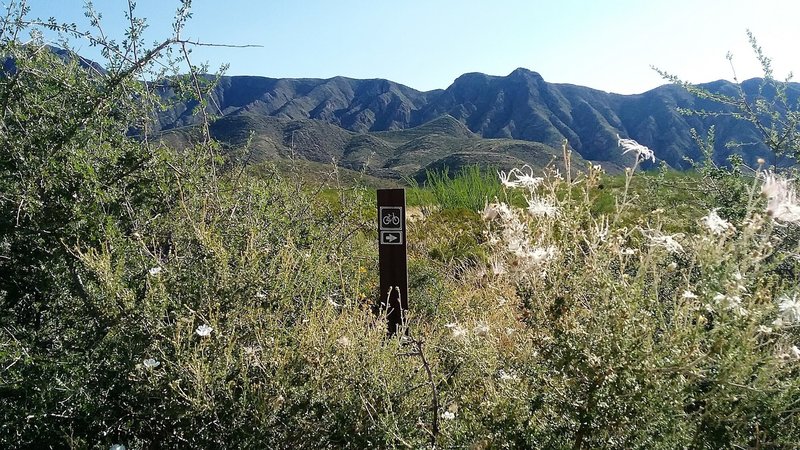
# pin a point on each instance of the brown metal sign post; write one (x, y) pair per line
(392, 260)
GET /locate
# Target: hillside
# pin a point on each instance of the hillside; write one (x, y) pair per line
(386, 154)
(520, 106)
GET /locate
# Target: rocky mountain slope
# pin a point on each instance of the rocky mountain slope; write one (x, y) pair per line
(520, 106)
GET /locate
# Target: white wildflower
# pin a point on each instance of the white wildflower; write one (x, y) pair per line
(715, 223)
(529, 181)
(791, 352)
(668, 242)
(494, 210)
(642, 152)
(333, 302)
(530, 257)
(764, 329)
(203, 330)
(497, 209)
(154, 271)
(448, 415)
(735, 303)
(458, 330)
(506, 179)
(344, 341)
(731, 302)
(251, 350)
(781, 196)
(627, 251)
(515, 244)
(261, 295)
(516, 178)
(789, 308)
(689, 294)
(541, 208)
(151, 363)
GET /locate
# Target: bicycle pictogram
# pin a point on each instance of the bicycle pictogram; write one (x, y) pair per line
(391, 218)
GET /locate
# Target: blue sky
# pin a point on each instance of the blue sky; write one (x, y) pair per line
(426, 44)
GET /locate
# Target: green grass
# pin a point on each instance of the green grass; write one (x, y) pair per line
(469, 189)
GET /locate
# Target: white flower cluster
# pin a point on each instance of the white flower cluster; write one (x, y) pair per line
(457, 330)
(204, 330)
(642, 152)
(781, 198)
(511, 237)
(519, 178)
(481, 330)
(788, 309)
(666, 241)
(151, 363)
(730, 302)
(539, 207)
(497, 210)
(716, 224)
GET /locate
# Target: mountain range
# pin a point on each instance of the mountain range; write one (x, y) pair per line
(392, 130)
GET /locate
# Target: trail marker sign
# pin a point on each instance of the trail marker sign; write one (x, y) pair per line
(392, 259)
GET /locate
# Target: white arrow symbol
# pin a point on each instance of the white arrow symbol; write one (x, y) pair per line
(391, 237)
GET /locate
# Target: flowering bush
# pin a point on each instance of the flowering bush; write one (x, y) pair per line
(648, 339)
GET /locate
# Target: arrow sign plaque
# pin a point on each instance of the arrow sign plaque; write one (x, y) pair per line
(391, 237)
(392, 259)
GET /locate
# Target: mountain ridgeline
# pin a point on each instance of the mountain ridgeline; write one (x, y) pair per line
(393, 130)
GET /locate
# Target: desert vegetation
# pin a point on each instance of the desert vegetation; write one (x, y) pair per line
(155, 297)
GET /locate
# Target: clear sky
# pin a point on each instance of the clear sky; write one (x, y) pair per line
(426, 44)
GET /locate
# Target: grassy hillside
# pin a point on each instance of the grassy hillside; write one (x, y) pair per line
(390, 154)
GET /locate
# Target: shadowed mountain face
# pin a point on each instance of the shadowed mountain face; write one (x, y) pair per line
(355, 105)
(520, 106)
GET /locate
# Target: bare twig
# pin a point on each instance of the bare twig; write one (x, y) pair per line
(208, 44)
(434, 433)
